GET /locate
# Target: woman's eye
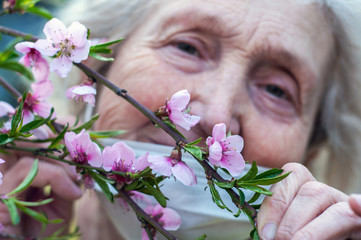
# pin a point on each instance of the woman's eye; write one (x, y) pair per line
(187, 48)
(275, 91)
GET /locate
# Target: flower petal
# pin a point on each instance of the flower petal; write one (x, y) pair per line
(170, 219)
(55, 30)
(24, 47)
(233, 162)
(61, 66)
(109, 156)
(215, 153)
(234, 142)
(41, 70)
(94, 155)
(42, 90)
(80, 54)
(184, 174)
(6, 109)
(179, 100)
(77, 33)
(141, 163)
(46, 47)
(219, 131)
(160, 165)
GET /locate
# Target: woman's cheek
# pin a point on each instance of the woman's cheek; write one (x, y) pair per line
(273, 145)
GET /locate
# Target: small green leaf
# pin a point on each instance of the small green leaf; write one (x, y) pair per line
(14, 215)
(106, 134)
(101, 58)
(158, 195)
(254, 234)
(17, 117)
(204, 236)
(28, 180)
(87, 125)
(252, 172)
(4, 139)
(195, 142)
(265, 181)
(254, 198)
(194, 151)
(42, 12)
(216, 197)
(242, 197)
(269, 173)
(133, 185)
(36, 123)
(96, 48)
(257, 189)
(225, 184)
(17, 67)
(34, 204)
(59, 138)
(102, 184)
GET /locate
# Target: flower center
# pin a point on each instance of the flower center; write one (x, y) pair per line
(66, 48)
(81, 158)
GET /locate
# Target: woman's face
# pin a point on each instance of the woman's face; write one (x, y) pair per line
(258, 66)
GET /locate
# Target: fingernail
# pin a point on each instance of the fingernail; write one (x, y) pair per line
(269, 231)
(357, 198)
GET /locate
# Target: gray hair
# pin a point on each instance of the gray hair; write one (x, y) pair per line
(337, 132)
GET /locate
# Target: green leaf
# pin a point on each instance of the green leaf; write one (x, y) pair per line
(59, 138)
(204, 236)
(34, 204)
(87, 125)
(133, 185)
(28, 180)
(254, 198)
(106, 134)
(194, 151)
(242, 197)
(269, 173)
(102, 184)
(216, 197)
(41, 217)
(195, 142)
(265, 181)
(158, 195)
(42, 12)
(17, 67)
(14, 215)
(17, 117)
(101, 58)
(24, 4)
(252, 172)
(36, 123)
(4, 139)
(225, 184)
(96, 48)
(257, 189)
(9, 52)
(254, 234)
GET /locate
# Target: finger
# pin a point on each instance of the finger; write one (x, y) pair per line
(273, 208)
(337, 222)
(355, 203)
(48, 174)
(312, 199)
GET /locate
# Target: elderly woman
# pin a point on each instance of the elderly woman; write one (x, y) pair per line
(282, 74)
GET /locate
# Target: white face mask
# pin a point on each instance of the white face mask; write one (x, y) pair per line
(194, 204)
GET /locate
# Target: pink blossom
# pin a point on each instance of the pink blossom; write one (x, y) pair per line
(120, 157)
(178, 110)
(82, 150)
(67, 44)
(33, 59)
(6, 109)
(167, 217)
(226, 151)
(84, 92)
(1, 175)
(167, 166)
(37, 101)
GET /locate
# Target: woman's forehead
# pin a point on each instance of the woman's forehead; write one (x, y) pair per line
(288, 28)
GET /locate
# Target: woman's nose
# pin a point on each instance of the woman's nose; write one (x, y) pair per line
(221, 104)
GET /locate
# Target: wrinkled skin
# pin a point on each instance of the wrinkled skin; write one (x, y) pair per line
(258, 66)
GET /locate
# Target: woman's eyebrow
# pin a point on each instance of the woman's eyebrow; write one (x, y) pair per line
(196, 19)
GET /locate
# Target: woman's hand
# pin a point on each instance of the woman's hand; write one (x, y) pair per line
(61, 177)
(302, 208)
